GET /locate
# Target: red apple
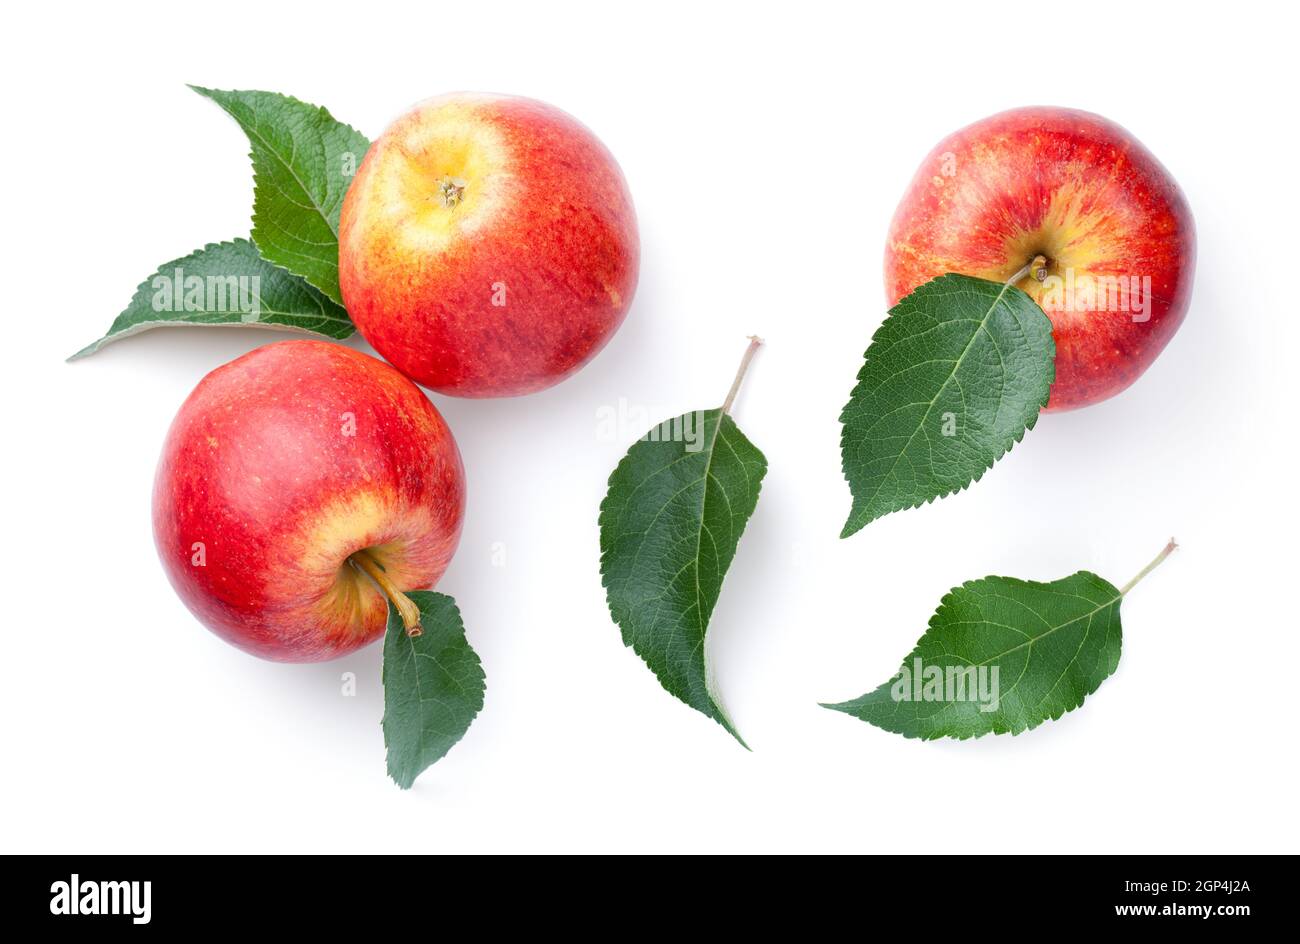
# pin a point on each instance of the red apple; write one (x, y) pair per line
(1098, 227)
(295, 483)
(488, 246)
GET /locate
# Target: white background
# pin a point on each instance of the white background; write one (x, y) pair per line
(766, 148)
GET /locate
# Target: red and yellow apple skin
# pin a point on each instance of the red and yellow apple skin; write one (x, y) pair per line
(488, 245)
(279, 466)
(1088, 197)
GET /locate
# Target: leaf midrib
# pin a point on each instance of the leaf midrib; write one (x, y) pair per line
(1033, 639)
(699, 535)
(293, 173)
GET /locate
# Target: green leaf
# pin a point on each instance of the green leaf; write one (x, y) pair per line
(952, 379)
(303, 162)
(225, 284)
(1002, 656)
(669, 525)
(433, 686)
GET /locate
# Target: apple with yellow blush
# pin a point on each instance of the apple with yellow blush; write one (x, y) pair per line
(488, 245)
(301, 488)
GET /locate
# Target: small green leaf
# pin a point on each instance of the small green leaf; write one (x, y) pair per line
(952, 379)
(669, 525)
(303, 163)
(433, 686)
(1002, 656)
(225, 284)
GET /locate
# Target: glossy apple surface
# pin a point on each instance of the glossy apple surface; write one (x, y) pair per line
(488, 245)
(278, 468)
(1113, 231)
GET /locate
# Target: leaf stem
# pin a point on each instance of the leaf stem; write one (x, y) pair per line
(754, 342)
(405, 606)
(1169, 549)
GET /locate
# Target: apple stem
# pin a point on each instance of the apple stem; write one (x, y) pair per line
(754, 342)
(409, 612)
(1037, 266)
(1169, 549)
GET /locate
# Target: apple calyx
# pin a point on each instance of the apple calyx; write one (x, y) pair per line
(407, 609)
(754, 342)
(450, 190)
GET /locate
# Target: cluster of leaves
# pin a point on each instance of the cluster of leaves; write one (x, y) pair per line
(953, 378)
(303, 160)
